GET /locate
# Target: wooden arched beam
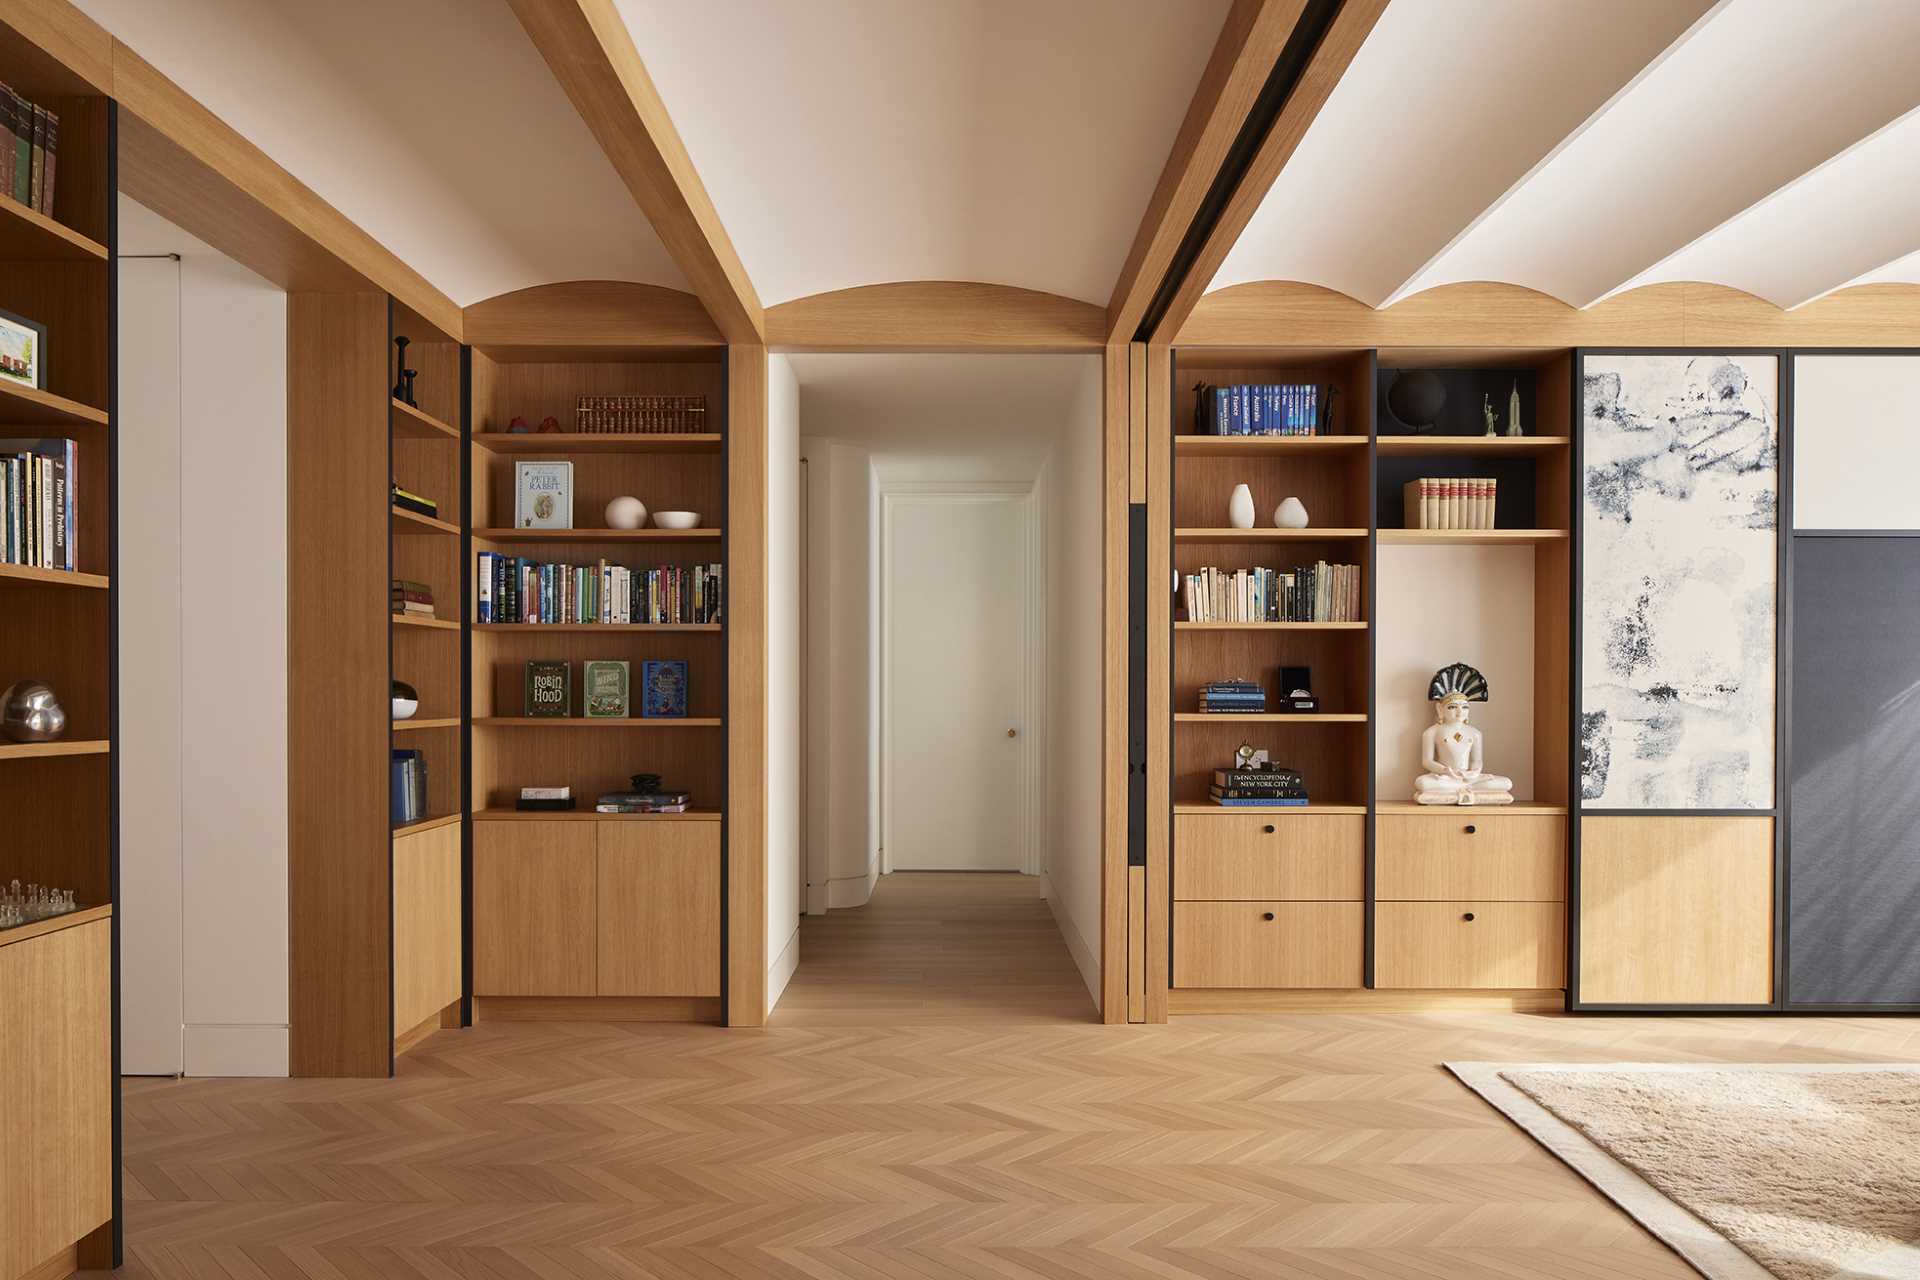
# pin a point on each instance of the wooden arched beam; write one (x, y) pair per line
(936, 315)
(588, 319)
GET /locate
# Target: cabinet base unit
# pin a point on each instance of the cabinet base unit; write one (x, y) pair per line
(426, 930)
(1269, 944)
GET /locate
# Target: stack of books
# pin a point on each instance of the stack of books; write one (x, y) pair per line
(1233, 696)
(643, 802)
(1318, 592)
(642, 415)
(514, 589)
(409, 793)
(42, 500)
(27, 166)
(1450, 502)
(1267, 788)
(1257, 409)
(412, 599)
(545, 799)
(407, 500)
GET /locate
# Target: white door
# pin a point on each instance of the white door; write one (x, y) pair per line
(955, 601)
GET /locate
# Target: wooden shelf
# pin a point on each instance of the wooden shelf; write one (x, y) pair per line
(435, 624)
(588, 815)
(1267, 535)
(599, 535)
(54, 924)
(1210, 807)
(598, 442)
(1269, 626)
(1470, 446)
(20, 575)
(426, 824)
(586, 628)
(48, 750)
(405, 521)
(1261, 446)
(29, 406)
(1469, 537)
(410, 423)
(1270, 717)
(599, 722)
(444, 722)
(27, 235)
(1402, 807)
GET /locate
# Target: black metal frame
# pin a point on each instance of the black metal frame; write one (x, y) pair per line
(387, 763)
(726, 688)
(118, 1233)
(467, 571)
(1576, 808)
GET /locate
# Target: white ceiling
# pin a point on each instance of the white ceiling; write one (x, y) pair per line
(1581, 150)
(855, 142)
(900, 401)
(433, 124)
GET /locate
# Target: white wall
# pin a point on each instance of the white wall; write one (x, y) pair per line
(203, 663)
(1071, 490)
(1426, 622)
(783, 675)
(1847, 409)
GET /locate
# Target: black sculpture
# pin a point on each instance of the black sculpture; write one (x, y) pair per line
(403, 388)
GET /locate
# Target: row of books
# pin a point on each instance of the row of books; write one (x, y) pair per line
(412, 599)
(1240, 697)
(560, 800)
(409, 788)
(605, 689)
(514, 589)
(1257, 409)
(641, 415)
(1449, 502)
(1319, 592)
(1267, 788)
(27, 166)
(42, 503)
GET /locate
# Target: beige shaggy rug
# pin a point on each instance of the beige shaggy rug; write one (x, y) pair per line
(1749, 1172)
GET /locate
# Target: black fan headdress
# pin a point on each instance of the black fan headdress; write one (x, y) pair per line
(1458, 678)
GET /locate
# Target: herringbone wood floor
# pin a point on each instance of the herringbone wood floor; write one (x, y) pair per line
(931, 1100)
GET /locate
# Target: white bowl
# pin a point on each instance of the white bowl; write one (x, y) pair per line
(676, 519)
(403, 708)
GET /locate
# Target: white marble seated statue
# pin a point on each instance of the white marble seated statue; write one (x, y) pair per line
(1451, 750)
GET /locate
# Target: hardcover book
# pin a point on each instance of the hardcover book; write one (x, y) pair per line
(543, 495)
(663, 688)
(549, 689)
(603, 689)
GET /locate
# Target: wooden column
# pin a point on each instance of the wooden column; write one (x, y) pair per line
(1159, 467)
(746, 619)
(1115, 513)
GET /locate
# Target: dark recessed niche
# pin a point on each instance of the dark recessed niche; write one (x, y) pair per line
(1461, 415)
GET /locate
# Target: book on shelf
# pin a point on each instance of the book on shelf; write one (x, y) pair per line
(603, 690)
(42, 502)
(1257, 409)
(549, 689)
(1255, 802)
(1319, 592)
(411, 599)
(1450, 502)
(407, 500)
(643, 802)
(409, 787)
(663, 689)
(30, 140)
(519, 590)
(543, 495)
(1233, 696)
(1276, 781)
(640, 415)
(544, 799)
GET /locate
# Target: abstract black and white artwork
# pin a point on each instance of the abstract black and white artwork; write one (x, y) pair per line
(1679, 581)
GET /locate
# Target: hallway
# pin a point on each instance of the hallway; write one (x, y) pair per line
(932, 1100)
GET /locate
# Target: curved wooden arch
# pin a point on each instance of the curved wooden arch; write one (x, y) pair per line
(585, 319)
(936, 315)
(1491, 314)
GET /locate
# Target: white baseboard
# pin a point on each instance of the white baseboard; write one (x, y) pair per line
(849, 891)
(235, 1050)
(780, 972)
(1084, 956)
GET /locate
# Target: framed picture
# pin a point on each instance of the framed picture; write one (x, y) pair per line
(23, 351)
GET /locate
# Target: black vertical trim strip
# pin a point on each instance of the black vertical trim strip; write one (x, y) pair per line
(726, 672)
(467, 571)
(1576, 607)
(386, 424)
(1372, 641)
(1136, 684)
(1782, 668)
(1315, 19)
(113, 652)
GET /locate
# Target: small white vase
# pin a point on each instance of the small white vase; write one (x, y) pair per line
(626, 512)
(1290, 514)
(1240, 508)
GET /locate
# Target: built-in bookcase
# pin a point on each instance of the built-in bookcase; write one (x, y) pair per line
(59, 1083)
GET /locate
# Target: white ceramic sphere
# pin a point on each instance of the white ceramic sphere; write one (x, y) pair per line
(676, 519)
(1290, 514)
(626, 512)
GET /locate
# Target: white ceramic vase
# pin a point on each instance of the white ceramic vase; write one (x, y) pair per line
(1240, 507)
(1290, 514)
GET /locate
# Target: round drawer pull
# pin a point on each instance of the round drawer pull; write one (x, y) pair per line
(1266, 915)
(1268, 828)
(1468, 916)
(1471, 828)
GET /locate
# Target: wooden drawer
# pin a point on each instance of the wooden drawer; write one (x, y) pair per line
(1268, 944)
(1277, 857)
(1468, 855)
(533, 908)
(659, 907)
(1459, 945)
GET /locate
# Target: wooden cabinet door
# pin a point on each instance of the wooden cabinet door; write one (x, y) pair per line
(426, 925)
(1470, 855)
(1458, 946)
(659, 908)
(1273, 857)
(1268, 944)
(533, 914)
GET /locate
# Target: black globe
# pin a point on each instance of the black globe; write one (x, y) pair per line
(1416, 398)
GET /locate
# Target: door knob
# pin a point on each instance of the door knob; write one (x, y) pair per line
(1011, 733)
(1470, 828)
